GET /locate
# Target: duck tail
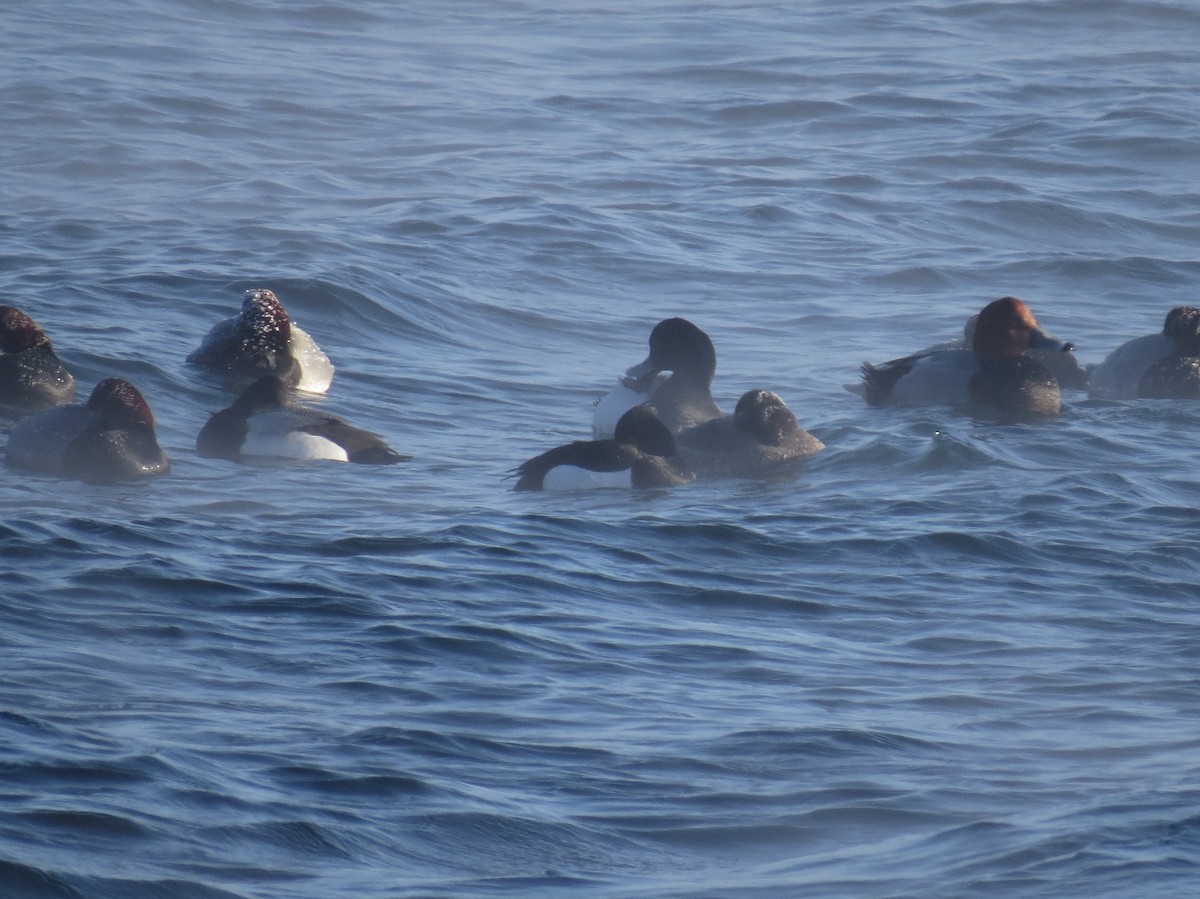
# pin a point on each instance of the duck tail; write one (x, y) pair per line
(878, 381)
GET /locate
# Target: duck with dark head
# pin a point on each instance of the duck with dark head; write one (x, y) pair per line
(996, 373)
(1009, 379)
(262, 339)
(1176, 375)
(682, 399)
(32, 377)
(109, 438)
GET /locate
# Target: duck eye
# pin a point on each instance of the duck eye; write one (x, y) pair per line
(1068, 348)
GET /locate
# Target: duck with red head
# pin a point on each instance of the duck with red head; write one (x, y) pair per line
(110, 438)
(1009, 380)
(31, 376)
(263, 340)
(1062, 362)
(1005, 329)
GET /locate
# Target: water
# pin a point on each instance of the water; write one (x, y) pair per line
(944, 658)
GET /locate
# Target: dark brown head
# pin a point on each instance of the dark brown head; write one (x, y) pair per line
(1006, 328)
(115, 404)
(263, 315)
(764, 415)
(19, 332)
(1182, 326)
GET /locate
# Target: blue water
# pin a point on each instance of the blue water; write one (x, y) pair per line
(944, 658)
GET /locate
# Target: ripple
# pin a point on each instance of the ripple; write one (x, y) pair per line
(942, 657)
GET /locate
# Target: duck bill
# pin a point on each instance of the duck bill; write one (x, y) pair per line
(641, 376)
(1044, 340)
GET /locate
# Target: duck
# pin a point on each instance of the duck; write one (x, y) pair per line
(1059, 358)
(682, 399)
(262, 340)
(1176, 375)
(1119, 376)
(265, 422)
(32, 377)
(997, 373)
(109, 438)
(641, 453)
(759, 437)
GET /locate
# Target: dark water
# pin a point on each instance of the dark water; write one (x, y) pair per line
(944, 658)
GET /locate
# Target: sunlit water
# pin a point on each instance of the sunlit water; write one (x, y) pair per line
(943, 658)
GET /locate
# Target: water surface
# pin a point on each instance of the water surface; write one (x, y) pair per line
(946, 657)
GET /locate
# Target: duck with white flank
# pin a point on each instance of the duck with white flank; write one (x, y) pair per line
(264, 422)
(683, 399)
(1063, 364)
(1177, 374)
(997, 373)
(1120, 375)
(641, 453)
(263, 340)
